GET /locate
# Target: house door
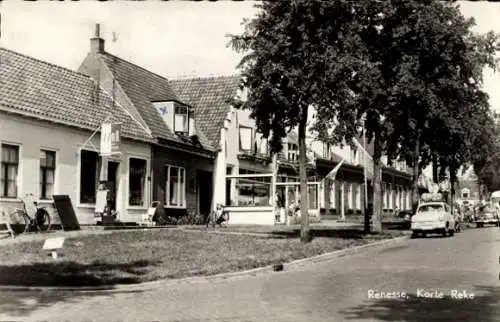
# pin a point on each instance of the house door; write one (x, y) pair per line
(113, 182)
(204, 191)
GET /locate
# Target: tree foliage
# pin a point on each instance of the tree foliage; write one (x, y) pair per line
(409, 71)
(298, 57)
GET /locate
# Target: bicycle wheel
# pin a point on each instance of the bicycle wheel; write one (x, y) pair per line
(19, 222)
(42, 220)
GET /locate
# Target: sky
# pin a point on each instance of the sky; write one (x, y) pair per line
(173, 38)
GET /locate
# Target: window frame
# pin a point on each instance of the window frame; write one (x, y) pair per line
(181, 187)
(19, 171)
(145, 184)
(292, 152)
(56, 154)
(79, 177)
(186, 121)
(252, 141)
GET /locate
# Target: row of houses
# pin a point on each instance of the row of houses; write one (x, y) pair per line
(183, 143)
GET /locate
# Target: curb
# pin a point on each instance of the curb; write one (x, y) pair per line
(265, 270)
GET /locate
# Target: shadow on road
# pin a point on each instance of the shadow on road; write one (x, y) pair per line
(484, 307)
(22, 304)
(65, 273)
(334, 232)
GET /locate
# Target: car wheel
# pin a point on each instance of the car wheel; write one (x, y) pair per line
(414, 235)
(451, 232)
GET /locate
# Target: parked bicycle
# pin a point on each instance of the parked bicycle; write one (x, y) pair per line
(31, 215)
(218, 216)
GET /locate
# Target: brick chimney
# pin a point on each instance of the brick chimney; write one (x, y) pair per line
(97, 43)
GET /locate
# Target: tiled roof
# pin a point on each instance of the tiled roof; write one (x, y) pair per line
(41, 90)
(211, 97)
(143, 87)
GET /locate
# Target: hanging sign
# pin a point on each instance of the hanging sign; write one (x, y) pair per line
(110, 138)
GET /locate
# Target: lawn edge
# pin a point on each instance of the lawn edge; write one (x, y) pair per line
(210, 278)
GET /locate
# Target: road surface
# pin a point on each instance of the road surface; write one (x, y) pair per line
(427, 277)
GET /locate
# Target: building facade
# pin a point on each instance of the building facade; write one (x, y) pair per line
(49, 134)
(182, 156)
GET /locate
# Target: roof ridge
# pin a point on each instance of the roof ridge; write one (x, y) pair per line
(183, 78)
(134, 64)
(45, 62)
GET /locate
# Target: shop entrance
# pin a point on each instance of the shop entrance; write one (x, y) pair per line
(204, 189)
(113, 182)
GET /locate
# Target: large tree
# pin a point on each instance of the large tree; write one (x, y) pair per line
(408, 71)
(426, 77)
(299, 55)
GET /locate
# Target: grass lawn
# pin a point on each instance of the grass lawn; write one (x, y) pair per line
(137, 256)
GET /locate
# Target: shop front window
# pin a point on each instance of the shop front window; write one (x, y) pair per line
(137, 182)
(89, 172)
(253, 192)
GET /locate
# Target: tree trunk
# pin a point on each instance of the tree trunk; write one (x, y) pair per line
(377, 191)
(305, 232)
(452, 188)
(435, 178)
(415, 195)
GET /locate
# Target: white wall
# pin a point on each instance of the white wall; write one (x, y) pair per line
(32, 135)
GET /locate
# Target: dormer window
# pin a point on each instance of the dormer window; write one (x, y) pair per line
(181, 119)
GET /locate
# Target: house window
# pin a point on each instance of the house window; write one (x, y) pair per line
(326, 150)
(332, 196)
(137, 182)
(292, 152)
(389, 196)
(181, 121)
(89, 172)
(47, 173)
(354, 156)
(175, 187)
(384, 195)
(10, 166)
(261, 145)
(357, 196)
(465, 193)
(245, 139)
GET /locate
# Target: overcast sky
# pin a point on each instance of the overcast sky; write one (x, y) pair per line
(174, 38)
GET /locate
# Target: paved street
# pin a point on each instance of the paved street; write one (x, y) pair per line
(330, 291)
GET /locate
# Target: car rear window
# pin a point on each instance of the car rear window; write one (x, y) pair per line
(429, 208)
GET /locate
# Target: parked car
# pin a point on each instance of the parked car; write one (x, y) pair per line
(433, 217)
(487, 215)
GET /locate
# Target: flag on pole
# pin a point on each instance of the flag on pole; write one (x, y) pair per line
(333, 173)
